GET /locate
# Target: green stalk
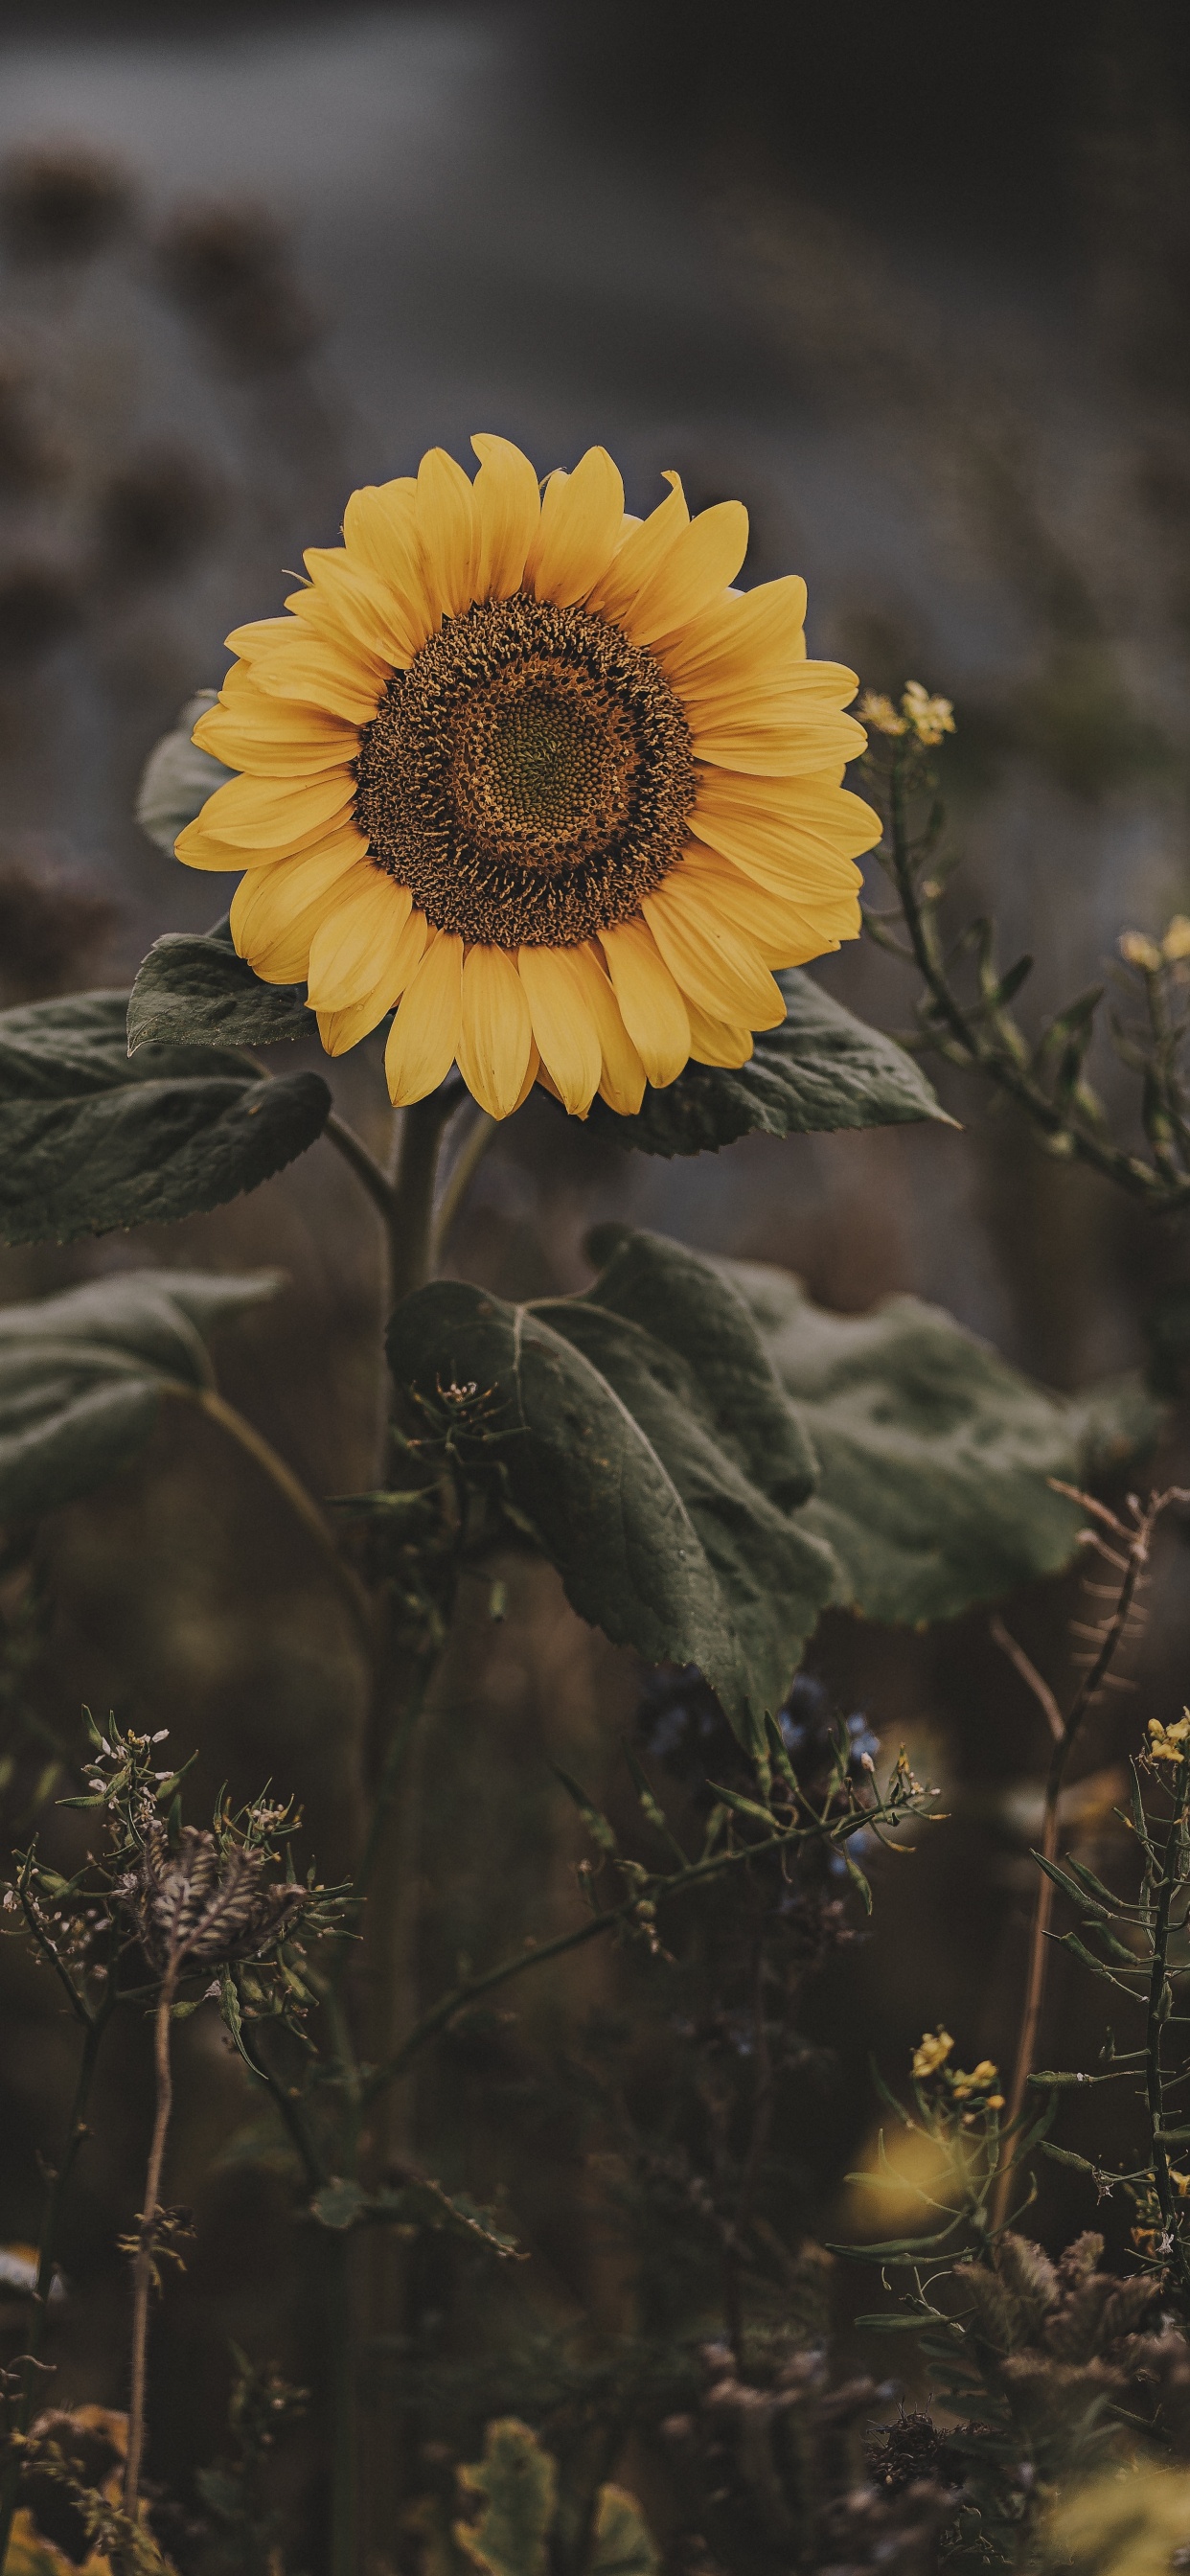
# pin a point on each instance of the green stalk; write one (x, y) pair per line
(410, 1223)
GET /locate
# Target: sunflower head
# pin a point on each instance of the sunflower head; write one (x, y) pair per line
(531, 773)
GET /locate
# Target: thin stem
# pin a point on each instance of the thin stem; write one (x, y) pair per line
(1159, 2005)
(95, 2025)
(293, 1493)
(413, 1191)
(344, 2480)
(480, 1132)
(994, 1058)
(143, 2265)
(762, 2116)
(659, 1892)
(1137, 1543)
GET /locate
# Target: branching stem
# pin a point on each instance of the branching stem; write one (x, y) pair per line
(143, 2267)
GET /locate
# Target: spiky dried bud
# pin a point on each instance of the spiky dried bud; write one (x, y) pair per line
(197, 1906)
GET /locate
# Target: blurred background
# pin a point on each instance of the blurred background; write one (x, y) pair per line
(916, 288)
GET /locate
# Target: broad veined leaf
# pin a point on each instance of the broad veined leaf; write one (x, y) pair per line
(934, 1453)
(82, 1375)
(90, 1140)
(639, 1433)
(193, 990)
(822, 1069)
(178, 778)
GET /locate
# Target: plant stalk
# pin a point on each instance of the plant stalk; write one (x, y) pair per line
(1158, 2009)
(410, 1230)
(143, 2267)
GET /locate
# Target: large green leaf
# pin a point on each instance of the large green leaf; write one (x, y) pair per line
(82, 1375)
(821, 1069)
(178, 778)
(640, 1433)
(193, 990)
(934, 1453)
(90, 1140)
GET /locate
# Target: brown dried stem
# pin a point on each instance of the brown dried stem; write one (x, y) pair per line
(144, 2267)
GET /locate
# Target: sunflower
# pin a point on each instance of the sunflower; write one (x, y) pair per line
(530, 770)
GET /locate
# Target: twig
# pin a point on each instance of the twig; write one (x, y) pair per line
(479, 1134)
(1030, 1676)
(143, 2263)
(217, 1410)
(1173, 2241)
(1134, 1544)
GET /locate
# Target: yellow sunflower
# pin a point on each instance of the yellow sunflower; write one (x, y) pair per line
(529, 769)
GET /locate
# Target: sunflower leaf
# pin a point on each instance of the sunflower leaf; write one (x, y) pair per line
(639, 1433)
(193, 990)
(82, 1375)
(90, 1140)
(935, 1454)
(822, 1069)
(177, 778)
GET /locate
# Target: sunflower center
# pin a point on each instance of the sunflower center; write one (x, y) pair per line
(530, 777)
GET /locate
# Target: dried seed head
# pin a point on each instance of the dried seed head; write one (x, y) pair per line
(196, 1905)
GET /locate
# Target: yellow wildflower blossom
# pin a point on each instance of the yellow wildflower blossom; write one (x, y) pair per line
(932, 2051)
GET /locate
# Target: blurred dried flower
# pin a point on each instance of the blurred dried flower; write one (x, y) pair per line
(878, 711)
(157, 513)
(1176, 943)
(228, 266)
(39, 604)
(50, 927)
(192, 1903)
(932, 2050)
(60, 203)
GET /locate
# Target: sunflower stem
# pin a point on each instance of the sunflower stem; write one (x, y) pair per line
(410, 1224)
(478, 1132)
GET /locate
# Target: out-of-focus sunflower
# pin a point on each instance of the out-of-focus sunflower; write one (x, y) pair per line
(531, 769)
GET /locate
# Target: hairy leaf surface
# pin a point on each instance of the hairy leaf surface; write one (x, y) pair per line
(934, 1452)
(822, 1069)
(82, 1375)
(193, 990)
(90, 1140)
(639, 1433)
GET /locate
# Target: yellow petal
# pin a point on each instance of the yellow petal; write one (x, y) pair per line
(739, 635)
(276, 911)
(276, 814)
(424, 1037)
(786, 927)
(342, 678)
(780, 751)
(344, 599)
(715, 1041)
(696, 570)
(380, 533)
(580, 525)
(640, 553)
(774, 689)
(446, 527)
(259, 637)
(622, 1081)
(496, 1035)
(563, 1024)
(651, 1006)
(359, 944)
(507, 510)
(197, 850)
(532, 1071)
(312, 744)
(716, 965)
(340, 1030)
(802, 832)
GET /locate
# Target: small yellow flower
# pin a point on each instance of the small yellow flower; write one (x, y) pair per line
(1176, 943)
(1137, 949)
(1166, 1743)
(880, 713)
(983, 2074)
(931, 2052)
(929, 718)
(1182, 2181)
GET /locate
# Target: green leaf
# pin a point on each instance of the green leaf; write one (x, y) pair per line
(517, 2483)
(624, 2544)
(339, 2205)
(934, 1453)
(90, 1140)
(82, 1375)
(639, 1433)
(178, 778)
(194, 991)
(418, 2203)
(822, 1069)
